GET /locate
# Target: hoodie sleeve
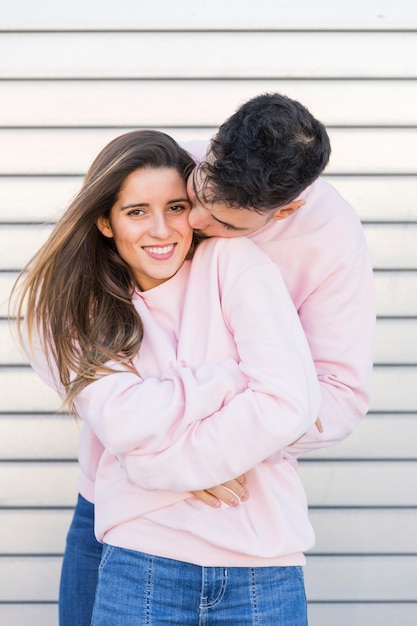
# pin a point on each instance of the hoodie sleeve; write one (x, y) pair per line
(44, 368)
(339, 322)
(126, 411)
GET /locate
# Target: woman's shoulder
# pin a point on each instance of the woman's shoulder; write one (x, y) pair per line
(227, 261)
(240, 248)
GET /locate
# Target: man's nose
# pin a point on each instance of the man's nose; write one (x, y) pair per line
(197, 217)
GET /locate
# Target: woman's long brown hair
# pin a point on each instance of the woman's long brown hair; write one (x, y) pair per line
(77, 291)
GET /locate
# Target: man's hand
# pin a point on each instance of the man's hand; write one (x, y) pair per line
(232, 493)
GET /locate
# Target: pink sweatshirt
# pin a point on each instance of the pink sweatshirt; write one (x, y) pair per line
(222, 339)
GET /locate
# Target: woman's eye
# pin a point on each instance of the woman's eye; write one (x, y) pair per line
(136, 212)
(176, 208)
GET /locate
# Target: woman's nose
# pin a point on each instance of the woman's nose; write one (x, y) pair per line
(160, 227)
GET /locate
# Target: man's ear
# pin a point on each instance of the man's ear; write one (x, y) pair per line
(288, 209)
(103, 224)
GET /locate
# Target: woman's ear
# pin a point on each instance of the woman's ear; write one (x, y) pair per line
(103, 224)
(288, 209)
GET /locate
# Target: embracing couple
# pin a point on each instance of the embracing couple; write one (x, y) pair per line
(210, 321)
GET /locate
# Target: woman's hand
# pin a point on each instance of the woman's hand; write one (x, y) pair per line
(232, 492)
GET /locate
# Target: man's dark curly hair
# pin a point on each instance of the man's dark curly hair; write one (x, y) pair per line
(265, 154)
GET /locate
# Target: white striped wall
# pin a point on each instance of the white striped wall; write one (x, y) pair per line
(74, 75)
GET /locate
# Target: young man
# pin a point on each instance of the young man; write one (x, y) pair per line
(260, 178)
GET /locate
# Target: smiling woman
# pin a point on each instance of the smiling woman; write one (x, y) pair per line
(79, 286)
(149, 224)
(79, 289)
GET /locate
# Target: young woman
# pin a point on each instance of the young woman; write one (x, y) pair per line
(189, 373)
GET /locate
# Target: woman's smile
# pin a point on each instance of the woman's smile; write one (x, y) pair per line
(160, 252)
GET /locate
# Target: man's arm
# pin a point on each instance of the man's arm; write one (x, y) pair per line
(341, 339)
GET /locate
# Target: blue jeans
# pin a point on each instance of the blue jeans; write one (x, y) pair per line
(136, 589)
(79, 568)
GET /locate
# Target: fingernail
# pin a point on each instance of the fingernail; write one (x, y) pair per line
(234, 501)
(244, 496)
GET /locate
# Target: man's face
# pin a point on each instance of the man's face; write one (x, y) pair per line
(218, 219)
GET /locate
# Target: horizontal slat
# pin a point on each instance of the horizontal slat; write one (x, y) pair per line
(38, 484)
(375, 198)
(378, 578)
(204, 102)
(55, 437)
(33, 614)
(360, 483)
(378, 436)
(393, 390)
(369, 531)
(10, 351)
(64, 151)
(396, 294)
(214, 55)
(396, 343)
(393, 246)
(34, 531)
(362, 614)
(355, 531)
(379, 198)
(235, 14)
(32, 199)
(37, 396)
(328, 483)
(364, 151)
(33, 579)
(43, 437)
(71, 151)
(19, 243)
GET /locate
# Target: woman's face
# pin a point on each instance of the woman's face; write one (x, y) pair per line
(149, 224)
